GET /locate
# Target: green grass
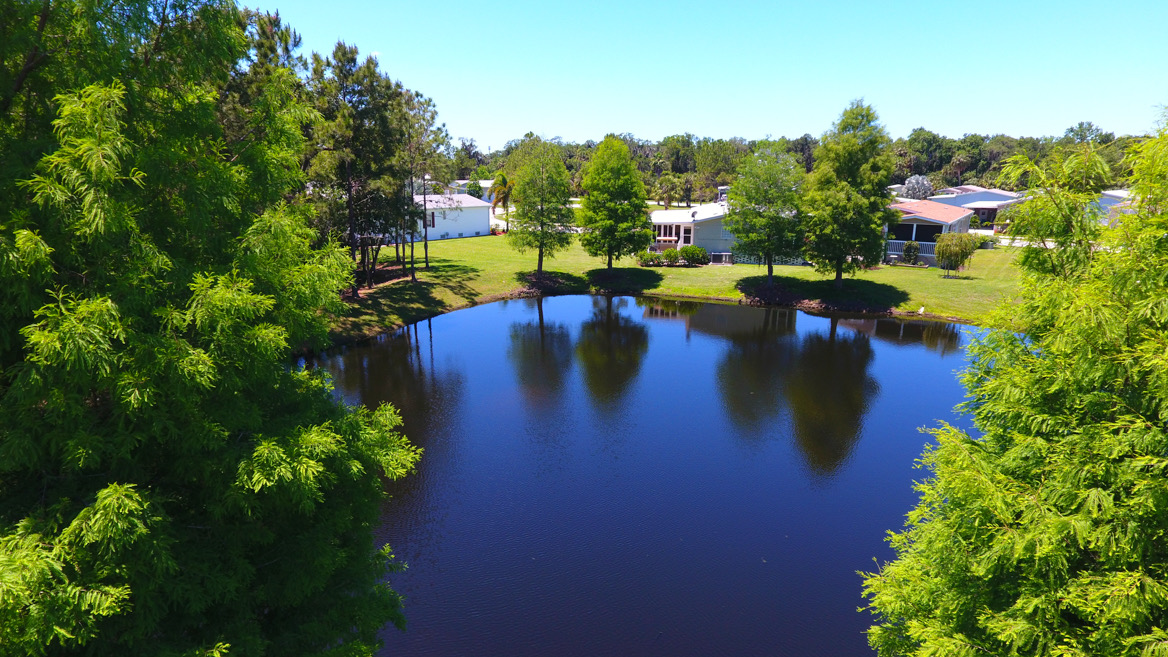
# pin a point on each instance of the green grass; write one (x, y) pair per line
(473, 270)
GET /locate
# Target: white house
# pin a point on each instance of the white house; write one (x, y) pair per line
(455, 215)
(923, 221)
(700, 225)
(459, 187)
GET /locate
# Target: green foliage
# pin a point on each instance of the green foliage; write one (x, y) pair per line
(1044, 535)
(912, 249)
(1060, 220)
(613, 217)
(168, 484)
(356, 160)
(694, 255)
(502, 189)
(671, 256)
(650, 259)
(847, 206)
(765, 216)
(953, 250)
(543, 216)
(474, 189)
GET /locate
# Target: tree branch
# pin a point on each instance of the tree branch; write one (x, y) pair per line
(32, 61)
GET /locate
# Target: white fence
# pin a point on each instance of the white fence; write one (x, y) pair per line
(896, 247)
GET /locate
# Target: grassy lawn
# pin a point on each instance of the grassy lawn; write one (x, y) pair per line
(478, 269)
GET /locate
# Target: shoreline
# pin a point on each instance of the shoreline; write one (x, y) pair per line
(783, 300)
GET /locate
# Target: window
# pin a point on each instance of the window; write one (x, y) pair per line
(726, 235)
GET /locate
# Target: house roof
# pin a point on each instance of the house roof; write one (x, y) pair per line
(962, 189)
(698, 213)
(931, 211)
(987, 198)
(451, 201)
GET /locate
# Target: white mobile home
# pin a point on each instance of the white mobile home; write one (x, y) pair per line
(454, 215)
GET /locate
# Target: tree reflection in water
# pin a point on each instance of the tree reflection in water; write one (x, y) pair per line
(542, 355)
(752, 375)
(829, 391)
(398, 368)
(610, 349)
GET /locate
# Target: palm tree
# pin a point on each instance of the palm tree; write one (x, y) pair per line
(669, 189)
(502, 188)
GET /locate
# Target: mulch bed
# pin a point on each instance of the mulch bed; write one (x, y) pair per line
(782, 297)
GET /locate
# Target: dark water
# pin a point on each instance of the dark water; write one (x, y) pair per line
(629, 477)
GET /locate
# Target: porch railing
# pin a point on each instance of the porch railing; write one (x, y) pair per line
(896, 247)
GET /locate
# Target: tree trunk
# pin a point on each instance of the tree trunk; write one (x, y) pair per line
(539, 263)
(352, 225)
(839, 276)
(413, 268)
(770, 271)
(610, 261)
(425, 239)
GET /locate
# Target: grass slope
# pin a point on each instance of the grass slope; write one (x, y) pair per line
(478, 269)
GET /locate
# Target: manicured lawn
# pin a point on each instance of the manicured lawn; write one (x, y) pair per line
(477, 269)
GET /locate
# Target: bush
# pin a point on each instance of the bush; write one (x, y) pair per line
(955, 249)
(911, 250)
(671, 256)
(650, 259)
(695, 255)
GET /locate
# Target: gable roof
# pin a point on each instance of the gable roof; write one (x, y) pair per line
(985, 198)
(451, 201)
(698, 213)
(931, 211)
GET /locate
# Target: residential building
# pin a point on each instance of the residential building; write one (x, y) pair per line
(455, 215)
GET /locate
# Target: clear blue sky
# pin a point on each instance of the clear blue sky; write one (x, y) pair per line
(580, 70)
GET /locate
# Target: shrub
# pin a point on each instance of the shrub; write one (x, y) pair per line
(911, 250)
(650, 259)
(974, 222)
(955, 249)
(695, 255)
(671, 256)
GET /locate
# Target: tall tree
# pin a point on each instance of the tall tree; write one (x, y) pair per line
(1043, 533)
(543, 216)
(764, 215)
(352, 158)
(614, 216)
(421, 154)
(168, 485)
(847, 207)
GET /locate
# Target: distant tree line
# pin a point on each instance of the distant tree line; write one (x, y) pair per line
(685, 168)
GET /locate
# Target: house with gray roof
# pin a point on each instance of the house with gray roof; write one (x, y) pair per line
(985, 203)
(700, 225)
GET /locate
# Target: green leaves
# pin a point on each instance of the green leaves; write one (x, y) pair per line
(613, 218)
(1045, 534)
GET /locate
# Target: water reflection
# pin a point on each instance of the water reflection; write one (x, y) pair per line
(829, 391)
(610, 349)
(752, 374)
(941, 337)
(398, 368)
(541, 353)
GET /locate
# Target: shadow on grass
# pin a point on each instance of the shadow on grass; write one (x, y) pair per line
(386, 307)
(553, 282)
(856, 295)
(624, 280)
(454, 277)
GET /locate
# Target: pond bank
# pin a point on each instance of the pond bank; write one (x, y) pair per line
(473, 271)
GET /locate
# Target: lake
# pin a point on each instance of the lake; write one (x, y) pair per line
(623, 476)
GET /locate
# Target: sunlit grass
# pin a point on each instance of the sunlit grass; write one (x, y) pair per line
(474, 270)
